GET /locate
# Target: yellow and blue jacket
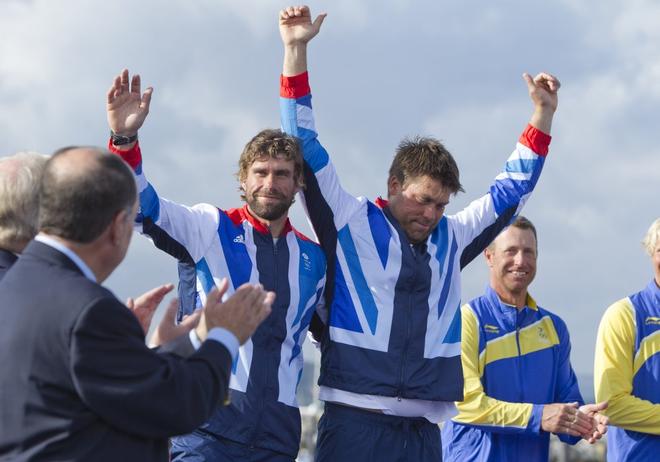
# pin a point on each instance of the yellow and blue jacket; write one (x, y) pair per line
(514, 361)
(627, 375)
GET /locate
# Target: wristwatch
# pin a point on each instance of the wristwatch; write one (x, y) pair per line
(118, 140)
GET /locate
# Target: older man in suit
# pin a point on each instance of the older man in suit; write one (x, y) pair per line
(19, 204)
(78, 382)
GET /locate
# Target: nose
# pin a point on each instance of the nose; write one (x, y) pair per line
(518, 258)
(431, 213)
(269, 180)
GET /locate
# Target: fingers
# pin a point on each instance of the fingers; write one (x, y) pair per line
(124, 80)
(543, 80)
(190, 321)
(155, 295)
(135, 84)
(222, 287)
(596, 407)
(170, 313)
(296, 12)
(265, 307)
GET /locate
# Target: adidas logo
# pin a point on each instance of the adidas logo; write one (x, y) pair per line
(307, 262)
(239, 239)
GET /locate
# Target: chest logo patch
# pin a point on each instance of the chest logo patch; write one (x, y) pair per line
(239, 239)
(489, 328)
(652, 320)
(307, 262)
(543, 336)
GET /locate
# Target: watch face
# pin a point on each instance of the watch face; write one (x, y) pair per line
(118, 140)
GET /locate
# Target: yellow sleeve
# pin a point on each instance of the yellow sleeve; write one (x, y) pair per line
(479, 409)
(614, 371)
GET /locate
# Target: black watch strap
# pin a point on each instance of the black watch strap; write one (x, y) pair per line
(118, 140)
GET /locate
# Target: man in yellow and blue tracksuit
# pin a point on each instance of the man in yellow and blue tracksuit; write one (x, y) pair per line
(519, 383)
(627, 367)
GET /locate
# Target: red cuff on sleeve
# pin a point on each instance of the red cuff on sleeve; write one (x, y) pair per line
(295, 86)
(535, 140)
(132, 157)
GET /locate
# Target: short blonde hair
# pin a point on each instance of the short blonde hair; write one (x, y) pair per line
(650, 241)
(20, 178)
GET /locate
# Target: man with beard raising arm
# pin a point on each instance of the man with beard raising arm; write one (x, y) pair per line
(255, 243)
(390, 357)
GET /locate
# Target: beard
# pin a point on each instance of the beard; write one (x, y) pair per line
(271, 210)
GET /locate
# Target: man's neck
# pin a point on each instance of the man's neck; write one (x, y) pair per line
(519, 300)
(276, 227)
(14, 247)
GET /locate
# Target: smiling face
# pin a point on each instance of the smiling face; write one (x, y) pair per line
(417, 205)
(512, 262)
(269, 188)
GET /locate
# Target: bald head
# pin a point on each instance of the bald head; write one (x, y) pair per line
(82, 190)
(20, 176)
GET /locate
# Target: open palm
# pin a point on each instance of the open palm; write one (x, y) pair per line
(126, 108)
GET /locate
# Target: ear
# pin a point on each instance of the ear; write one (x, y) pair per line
(488, 255)
(394, 186)
(118, 225)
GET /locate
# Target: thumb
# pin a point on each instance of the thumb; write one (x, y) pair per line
(222, 288)
(529, 81)
(191, 320)
(130, 303)
(319, 21)
(146, 98)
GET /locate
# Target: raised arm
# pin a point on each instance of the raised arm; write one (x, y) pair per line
(296, 30)
(324, 198)
(184, 232)
(482, 220)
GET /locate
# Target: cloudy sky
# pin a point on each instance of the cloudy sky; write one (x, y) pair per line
(443, 68)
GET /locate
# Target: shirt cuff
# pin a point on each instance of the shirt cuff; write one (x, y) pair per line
(132, 157)
(534, 425)
(218, 334)
(295, 86)
(535, 140)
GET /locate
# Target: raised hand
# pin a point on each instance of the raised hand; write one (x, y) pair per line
(126, 107)
(145, 305)
(296, 26)
(543, 90)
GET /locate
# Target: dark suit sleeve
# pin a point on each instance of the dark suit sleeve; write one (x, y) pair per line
(136, 389)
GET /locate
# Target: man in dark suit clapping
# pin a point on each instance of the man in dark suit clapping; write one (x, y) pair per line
(77, 381)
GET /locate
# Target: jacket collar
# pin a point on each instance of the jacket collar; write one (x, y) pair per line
(504, 307)
(41, 251)
(245, 215)
(7, 258)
